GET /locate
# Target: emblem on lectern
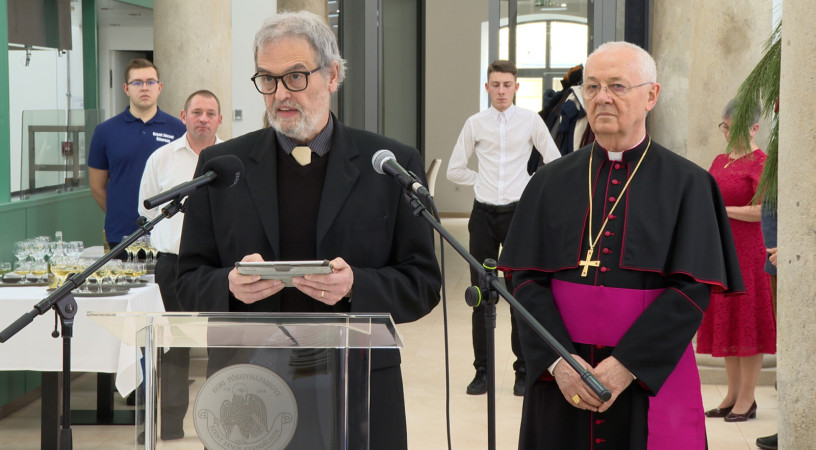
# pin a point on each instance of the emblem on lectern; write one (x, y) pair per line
(245, 407)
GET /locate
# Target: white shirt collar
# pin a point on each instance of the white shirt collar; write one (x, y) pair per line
(508, 113)
(185, 144)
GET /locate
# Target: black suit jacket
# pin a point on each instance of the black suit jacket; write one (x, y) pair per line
(362, 218)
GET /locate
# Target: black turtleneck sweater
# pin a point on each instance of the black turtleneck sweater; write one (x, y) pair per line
(299, 190)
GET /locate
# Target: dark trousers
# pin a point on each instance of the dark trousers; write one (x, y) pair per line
(488, 226)
(175, 364)
(122, 255)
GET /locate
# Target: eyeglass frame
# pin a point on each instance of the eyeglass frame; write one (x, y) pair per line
(623, 92)
(280, 79)
(152, 82)
(724, 127)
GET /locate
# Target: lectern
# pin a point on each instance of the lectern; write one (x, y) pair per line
(273, 381)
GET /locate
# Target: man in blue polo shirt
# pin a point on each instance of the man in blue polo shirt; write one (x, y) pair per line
(121, 145)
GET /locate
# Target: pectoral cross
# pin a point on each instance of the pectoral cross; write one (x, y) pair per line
(587, 262)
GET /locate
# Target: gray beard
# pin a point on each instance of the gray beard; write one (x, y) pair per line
(304, 129)
(298, 132)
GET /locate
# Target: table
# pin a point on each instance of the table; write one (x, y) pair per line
(93, 349)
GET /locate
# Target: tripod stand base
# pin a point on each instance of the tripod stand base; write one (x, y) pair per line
(51, 408)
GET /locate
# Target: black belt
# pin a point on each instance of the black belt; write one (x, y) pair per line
(495, 209)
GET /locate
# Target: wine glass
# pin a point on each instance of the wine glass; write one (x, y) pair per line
(131, 250)
(80, 264)
(22, 268)
(96, 279)
(38, 248)
(150, 252)
(103, 274)
(62, 267)
(39, 269)
(74, 249)
(107, 272)
(139, 269)
(51, 250)
(22, 250)
(118, 275)
(5, 267)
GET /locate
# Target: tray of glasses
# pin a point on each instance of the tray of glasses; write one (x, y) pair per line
(133, 285)
(81, 293)
(5, 283)
(16, 280)
(78, 293)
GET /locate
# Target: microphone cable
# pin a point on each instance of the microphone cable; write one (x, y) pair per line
(444, 324)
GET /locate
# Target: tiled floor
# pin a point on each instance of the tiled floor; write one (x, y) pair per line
(424, 378)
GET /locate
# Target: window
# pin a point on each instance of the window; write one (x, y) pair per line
(545, 51)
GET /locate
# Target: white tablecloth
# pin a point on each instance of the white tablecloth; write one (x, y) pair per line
(93, 349)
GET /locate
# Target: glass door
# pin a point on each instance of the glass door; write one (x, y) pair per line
(545, 39)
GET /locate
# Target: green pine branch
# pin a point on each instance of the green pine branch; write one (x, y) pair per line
(761, 88)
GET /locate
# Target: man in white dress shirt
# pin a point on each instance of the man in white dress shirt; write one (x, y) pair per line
(171, 165)
(502, 138)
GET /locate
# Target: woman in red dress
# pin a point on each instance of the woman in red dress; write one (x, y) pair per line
(740, 327)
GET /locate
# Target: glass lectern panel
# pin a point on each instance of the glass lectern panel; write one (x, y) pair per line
(270, 381)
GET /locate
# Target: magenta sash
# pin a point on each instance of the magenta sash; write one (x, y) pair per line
(601, 316)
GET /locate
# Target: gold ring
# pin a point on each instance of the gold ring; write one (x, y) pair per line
(322, 294)
(576, 399)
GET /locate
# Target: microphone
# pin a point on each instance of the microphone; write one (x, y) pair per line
(385, 163)
(221, 172)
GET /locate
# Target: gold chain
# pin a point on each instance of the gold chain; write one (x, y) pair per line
(589, 234)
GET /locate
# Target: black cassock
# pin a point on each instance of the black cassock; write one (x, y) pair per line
(665, 247)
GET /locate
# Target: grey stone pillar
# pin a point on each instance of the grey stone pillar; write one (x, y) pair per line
(191, 44)
(796, 306)
(319, 7)
(703, 50)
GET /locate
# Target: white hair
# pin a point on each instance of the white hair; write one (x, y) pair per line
(646, 64)
(308, 26)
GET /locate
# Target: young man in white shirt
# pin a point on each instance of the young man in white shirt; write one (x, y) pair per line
(502, 138)
(171, 165)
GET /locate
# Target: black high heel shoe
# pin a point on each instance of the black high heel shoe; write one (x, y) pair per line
(719, 412)
(750, 414)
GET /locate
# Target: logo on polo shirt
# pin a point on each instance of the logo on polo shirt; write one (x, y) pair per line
(163, 137)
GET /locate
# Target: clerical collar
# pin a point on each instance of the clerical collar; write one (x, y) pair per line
(319, 145)
(630, 154)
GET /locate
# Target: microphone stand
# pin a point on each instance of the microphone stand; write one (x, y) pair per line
(488, 292)
(63, 302)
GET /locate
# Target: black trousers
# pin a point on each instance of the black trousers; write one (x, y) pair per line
(175, 364)
(122, 255)
(488, 226)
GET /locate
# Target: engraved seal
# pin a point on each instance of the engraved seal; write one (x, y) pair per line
(245, 407)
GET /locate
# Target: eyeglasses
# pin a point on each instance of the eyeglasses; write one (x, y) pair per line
(724, 127)
(614, 89)
(295, 81)
(139, 83)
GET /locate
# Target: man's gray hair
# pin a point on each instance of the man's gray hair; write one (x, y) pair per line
(306, 25)
(646, 64)
(728, 111)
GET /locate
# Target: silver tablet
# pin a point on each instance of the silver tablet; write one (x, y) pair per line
(283, 270)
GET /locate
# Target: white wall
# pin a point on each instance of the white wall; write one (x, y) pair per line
(453, 87)
(42, 85)
(247, 18)
(118, 38)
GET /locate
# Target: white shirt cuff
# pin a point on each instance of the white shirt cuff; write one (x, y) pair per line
(552, 366)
